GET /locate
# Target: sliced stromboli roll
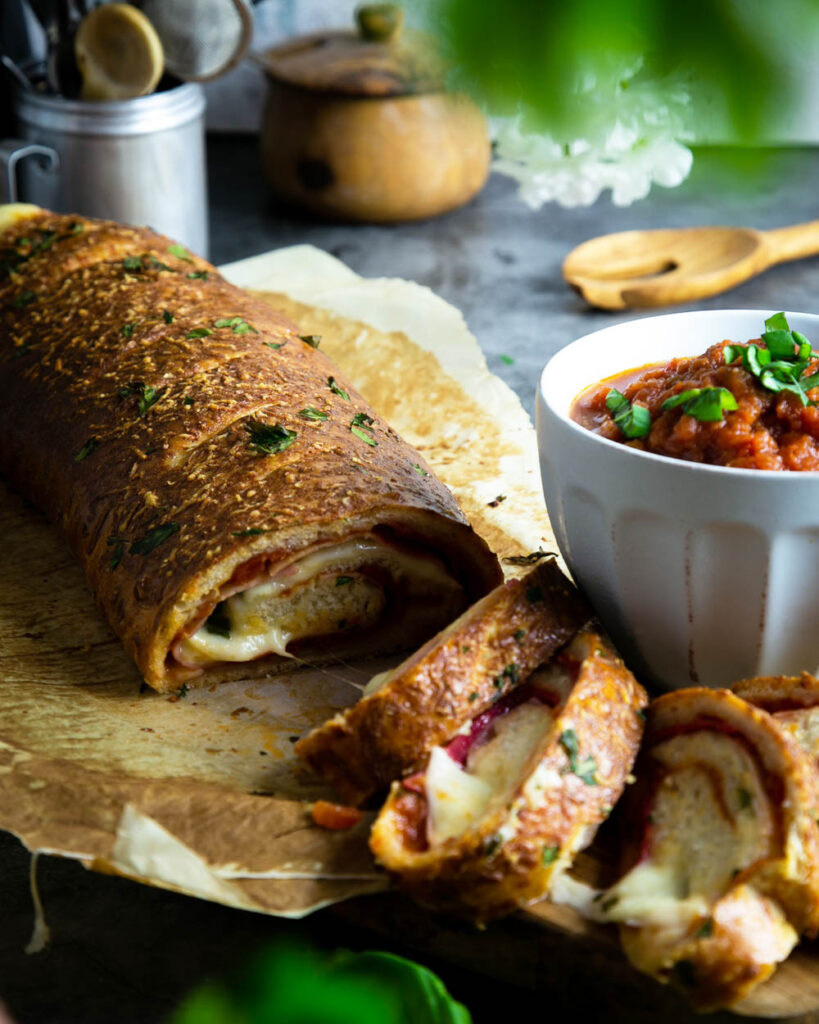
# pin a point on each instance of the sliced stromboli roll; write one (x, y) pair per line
(499, 812)
(794, 703)
(233, 502)
(456, 675)
(723, 854)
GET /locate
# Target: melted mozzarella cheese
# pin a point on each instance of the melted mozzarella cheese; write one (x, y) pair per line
(306, 599)
(458, 798)
(653, 894)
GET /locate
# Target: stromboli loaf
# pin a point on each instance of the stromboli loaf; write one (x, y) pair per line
(500, 812)
(455, 676)
(194, 450)
(724, 855)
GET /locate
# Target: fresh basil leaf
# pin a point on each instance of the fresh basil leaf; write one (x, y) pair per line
(777, 322)
(780, 344)
(294, 985)
(755, 358)
(704, 404)
(633, 420)
(199, 332)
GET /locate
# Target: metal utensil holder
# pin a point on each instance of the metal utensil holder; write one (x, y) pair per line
(139, 161)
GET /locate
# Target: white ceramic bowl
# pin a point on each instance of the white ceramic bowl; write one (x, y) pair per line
(702, 574)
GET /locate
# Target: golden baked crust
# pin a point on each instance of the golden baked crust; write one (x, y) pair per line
(132, 376)
(567, 787)
(452, 678)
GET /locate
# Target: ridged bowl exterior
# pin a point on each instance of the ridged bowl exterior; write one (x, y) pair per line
(702, 574)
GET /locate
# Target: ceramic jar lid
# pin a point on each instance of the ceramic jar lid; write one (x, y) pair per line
(378, 60)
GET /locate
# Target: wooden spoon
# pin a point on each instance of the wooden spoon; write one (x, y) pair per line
(660, 268)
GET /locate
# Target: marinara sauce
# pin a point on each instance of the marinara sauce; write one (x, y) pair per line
(768, 430)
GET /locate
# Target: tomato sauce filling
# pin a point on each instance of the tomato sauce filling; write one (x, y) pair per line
(412, 807)
(770, 430)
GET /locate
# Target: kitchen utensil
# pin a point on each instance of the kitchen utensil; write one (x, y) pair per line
(118, 53)
(635, 269)
(19, 76)
(701, 574)
(141, 161)
(202, 39)
(357, 125)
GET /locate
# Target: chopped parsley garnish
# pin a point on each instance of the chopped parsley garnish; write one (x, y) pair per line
(167, 316)
(473, 696)
(510, 673)
(156, 264)
(331, 384)
(342, 581)
(218, 622)
(147, 395)
(132, 263)
(633, 420)
(153, 538)
(507, 360)
(585, 769)
(531, 559)
(24, 299)
(254, 531)
(496, 501)
(745, 799)
(90, 445)
(118, 544)
(705, 404)
(200, 275)
(310, 413)
(199, 332)
(274, 346)
(180, 252)
(705, 930)
(127, 329)
(313, 340)
(419, 470)
(76, 228)
(187, 400)
(549, 855)
(492, 845)
(268, 439)
(520, 634)
(239, 325)
(361, 426)
(781, 365)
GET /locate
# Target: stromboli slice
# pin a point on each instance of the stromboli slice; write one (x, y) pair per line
(500, 812)
(232, 500)
(724, 877)
(794, 703)
(456, 675)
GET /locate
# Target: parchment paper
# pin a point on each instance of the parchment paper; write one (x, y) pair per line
(201, 793)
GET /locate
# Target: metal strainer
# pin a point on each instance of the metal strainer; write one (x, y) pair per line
(202, 39)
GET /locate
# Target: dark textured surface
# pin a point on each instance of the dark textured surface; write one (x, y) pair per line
(126, 953)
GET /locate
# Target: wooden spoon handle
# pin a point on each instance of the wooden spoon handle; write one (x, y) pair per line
(792, 243)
